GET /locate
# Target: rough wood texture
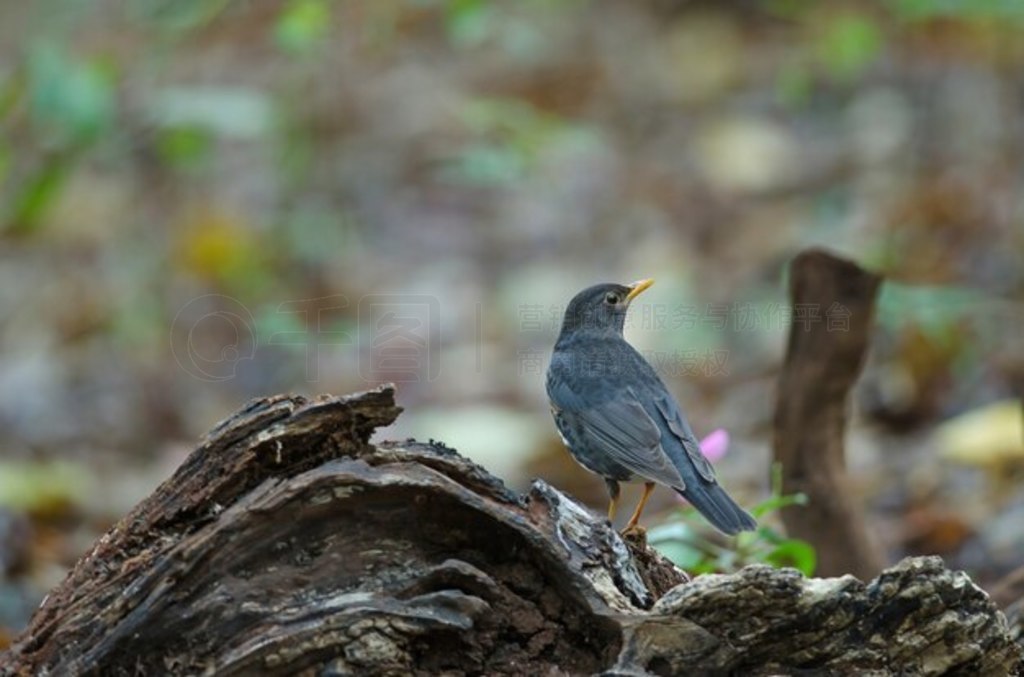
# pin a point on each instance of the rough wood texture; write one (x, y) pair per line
(823, 360)
(1008, 594)
(287, 544)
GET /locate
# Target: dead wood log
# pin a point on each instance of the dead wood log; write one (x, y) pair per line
(833, 311)
(288, 544)
(1008, 595)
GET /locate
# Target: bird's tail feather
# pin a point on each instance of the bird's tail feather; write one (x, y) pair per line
(718, 508)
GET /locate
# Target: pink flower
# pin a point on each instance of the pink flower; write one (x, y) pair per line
(715, 445)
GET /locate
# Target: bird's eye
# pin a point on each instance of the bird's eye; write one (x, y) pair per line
(611, 298)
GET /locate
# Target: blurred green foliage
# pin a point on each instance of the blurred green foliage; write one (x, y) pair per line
(938, 312)
(153, 152)
(695, 552)
(925, 9)
(468, 21)
(43, 489)
(177, 17)
(303, 26)
(69, 105)
(508, 136)
(71, 101)
(185, 148)
(848, 44)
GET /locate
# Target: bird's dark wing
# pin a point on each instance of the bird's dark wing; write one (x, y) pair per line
(677, 424)
(702, 490)
(621, 429)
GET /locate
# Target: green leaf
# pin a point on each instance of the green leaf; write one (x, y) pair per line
(794, 553)
(766, 534)
(777, 500)
(775, 503)
(705, 567)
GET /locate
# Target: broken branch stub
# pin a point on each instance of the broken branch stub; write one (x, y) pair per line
(833, 313)
(288, 543)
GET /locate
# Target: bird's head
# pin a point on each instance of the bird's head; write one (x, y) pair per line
(601, 310)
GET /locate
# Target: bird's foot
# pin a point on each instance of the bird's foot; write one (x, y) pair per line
(635, 534)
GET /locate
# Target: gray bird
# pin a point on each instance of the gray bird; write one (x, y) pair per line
(619, 420)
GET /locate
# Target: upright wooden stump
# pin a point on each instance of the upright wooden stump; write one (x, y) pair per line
(833, 302)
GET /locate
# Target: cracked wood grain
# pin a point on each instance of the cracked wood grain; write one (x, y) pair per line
(288, 544)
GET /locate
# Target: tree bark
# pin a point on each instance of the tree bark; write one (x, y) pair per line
(1008, 595)
(833, 311)
(288, 544)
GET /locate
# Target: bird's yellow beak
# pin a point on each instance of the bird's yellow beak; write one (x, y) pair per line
(637, 287)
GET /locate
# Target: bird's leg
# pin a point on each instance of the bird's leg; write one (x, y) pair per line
(613, 491)
(635, 519)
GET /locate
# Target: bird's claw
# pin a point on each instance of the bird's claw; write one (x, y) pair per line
(634, 533)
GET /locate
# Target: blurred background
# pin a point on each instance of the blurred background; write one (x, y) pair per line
(206, 201)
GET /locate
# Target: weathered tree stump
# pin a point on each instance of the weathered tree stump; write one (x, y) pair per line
(833, 315)
(287, 543)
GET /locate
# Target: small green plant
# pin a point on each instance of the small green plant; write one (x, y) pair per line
(699, 553)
